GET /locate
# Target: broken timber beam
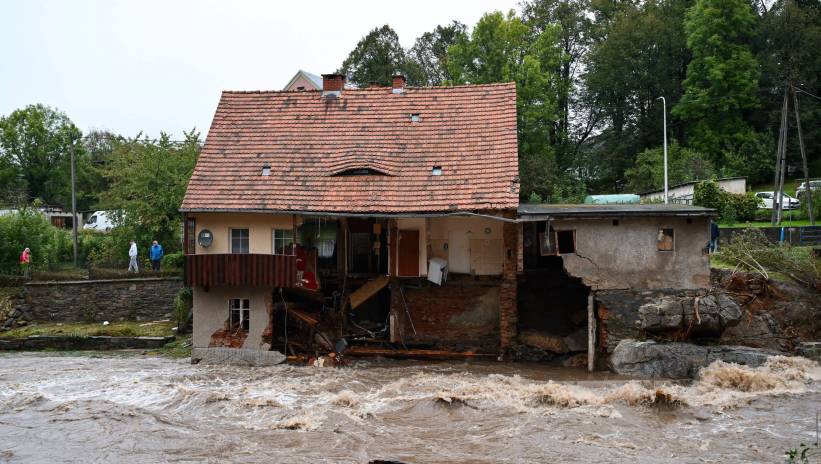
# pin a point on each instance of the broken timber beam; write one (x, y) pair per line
(368, 290)
(414, 353)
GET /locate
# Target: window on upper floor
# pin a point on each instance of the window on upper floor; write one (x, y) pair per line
(240, 241)
(282, 242)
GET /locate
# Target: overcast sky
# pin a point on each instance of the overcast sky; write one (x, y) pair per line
(130, 66)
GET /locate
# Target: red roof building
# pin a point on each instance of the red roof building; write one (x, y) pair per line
(372, 150)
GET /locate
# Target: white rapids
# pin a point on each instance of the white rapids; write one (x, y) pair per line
(134, 409)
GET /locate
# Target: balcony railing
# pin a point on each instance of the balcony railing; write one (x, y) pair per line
(258, 270)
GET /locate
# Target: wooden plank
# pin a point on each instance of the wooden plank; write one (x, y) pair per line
(365, 292)
(414, 353)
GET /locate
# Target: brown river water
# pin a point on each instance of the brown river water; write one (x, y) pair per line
(133, 409)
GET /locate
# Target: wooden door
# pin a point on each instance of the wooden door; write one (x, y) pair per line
(409, 253)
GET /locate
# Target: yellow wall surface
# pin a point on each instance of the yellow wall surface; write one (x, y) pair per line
(471, 245)
(211, 313)
(260, 227)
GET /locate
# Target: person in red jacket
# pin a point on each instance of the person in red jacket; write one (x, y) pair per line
(25, 262)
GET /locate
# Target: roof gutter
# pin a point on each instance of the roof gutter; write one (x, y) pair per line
(359, 215)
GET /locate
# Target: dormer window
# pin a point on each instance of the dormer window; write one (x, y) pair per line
(266, 169)
(414, 117)
(360, 172)
(436, 171)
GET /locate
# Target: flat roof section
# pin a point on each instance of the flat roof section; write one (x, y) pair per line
(534, 212)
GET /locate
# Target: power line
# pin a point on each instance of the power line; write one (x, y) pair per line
(796, 89)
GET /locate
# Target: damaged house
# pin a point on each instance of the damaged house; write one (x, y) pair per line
(376, 218)
(386, 221)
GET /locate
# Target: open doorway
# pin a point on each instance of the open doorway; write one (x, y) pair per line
(552, 304)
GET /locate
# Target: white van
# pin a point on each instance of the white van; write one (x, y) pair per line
(101, 221)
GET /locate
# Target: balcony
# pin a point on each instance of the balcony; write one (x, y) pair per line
(257, 270)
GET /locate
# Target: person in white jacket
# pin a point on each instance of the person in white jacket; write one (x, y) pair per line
(132, 257)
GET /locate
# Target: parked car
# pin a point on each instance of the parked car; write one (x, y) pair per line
(815, 185)
(101, 221)
(768, 197)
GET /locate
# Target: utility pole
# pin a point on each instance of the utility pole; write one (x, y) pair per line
(780, 160)
(664, 109)
(803, 157)
(73, 204)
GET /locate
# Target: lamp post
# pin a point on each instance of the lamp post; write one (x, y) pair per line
(664, 109)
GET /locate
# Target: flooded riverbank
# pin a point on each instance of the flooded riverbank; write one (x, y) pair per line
(134, 409)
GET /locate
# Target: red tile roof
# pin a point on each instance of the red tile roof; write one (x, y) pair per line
(308, 140)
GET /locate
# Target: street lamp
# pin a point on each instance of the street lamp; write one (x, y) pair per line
(664, 109)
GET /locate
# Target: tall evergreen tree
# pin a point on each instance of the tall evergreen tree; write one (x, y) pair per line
(722, 78)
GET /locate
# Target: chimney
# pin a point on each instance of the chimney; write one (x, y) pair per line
(398, 83)
(332, 84)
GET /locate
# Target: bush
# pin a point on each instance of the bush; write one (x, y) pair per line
(174, 260)
(731, 207)
(28, 228)
(751, 250)
(182, 307)
(816, 205)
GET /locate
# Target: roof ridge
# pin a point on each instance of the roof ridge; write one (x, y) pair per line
(380, 88)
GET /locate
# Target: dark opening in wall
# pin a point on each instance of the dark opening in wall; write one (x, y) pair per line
(566, 241)
(552, 311)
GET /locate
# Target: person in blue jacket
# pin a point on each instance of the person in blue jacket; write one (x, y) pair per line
(155, 254)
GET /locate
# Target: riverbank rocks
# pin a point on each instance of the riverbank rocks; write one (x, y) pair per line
(236, 357)
(666, 314)
(707, 315)
(677, 360)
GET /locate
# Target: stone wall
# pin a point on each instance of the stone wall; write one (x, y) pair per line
(664, 314)
(96, 300)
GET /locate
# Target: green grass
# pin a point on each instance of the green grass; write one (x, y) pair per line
(115, 329)
(179, 348)
(784, 223)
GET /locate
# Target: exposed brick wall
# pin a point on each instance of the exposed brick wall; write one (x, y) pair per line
(508, 311)
(461, 314)
(98, 300)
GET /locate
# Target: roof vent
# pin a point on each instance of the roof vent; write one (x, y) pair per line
(436, 171)
(266, 169)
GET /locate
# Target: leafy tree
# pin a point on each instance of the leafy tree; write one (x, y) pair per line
(722, 78)
(377, 57)
(683, 165)
(147, 182)
(572, 26)
(638, 53)
(430, 51)
(502, 48)
(35, 147)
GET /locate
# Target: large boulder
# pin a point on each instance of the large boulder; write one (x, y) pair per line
(677, 360)
(665, 315)
(712, 314)
(651, 359)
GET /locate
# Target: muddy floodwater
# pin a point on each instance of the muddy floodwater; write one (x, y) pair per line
(133, 409)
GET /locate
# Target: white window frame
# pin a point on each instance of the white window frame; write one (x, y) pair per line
(242, 306)
(275, 239)
(231, 240)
